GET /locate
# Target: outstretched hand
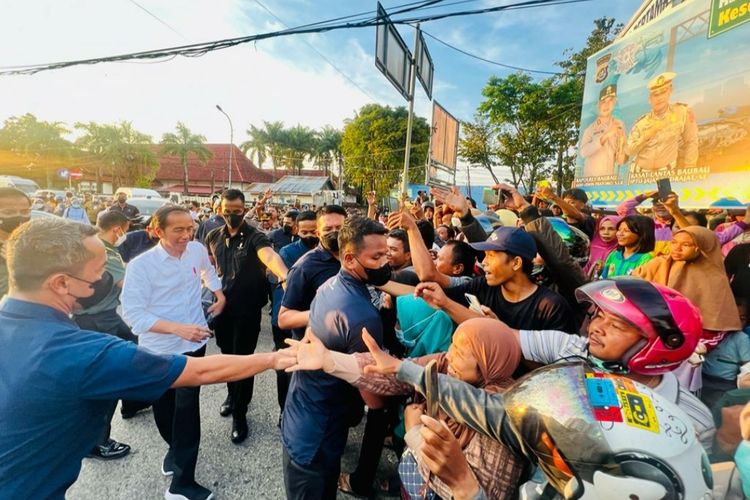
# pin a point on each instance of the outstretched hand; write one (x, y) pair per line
(453, 198)
(385, 364)
(310, 353)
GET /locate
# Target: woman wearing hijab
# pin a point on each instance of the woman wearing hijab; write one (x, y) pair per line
(635, 242)
(603, 243)
(477, 355)
(422, 329)
(695, 268)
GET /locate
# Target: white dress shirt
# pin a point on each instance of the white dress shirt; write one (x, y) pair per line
(161, 287)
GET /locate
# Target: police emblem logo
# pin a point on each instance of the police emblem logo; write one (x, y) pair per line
(612, 294)
(602, 68)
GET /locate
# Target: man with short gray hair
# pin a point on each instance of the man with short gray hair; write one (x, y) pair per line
(57, 382)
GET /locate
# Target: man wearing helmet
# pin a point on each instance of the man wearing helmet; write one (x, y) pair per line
(637, 329)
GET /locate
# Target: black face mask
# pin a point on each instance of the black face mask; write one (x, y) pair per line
(8, 224)
(331, 241)
(101, 288)
(310, 241)
(378, 276)
(233, 220)
(287, 229)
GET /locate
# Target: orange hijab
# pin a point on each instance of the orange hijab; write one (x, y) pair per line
(497, 354)
(702, 280)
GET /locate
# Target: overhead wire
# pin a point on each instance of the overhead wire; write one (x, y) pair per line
(489, 61)
(199, 49)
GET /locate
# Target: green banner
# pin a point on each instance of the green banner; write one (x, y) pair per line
(727, 14)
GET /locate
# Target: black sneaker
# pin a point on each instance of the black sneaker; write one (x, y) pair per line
(192, 492)
(111, 450)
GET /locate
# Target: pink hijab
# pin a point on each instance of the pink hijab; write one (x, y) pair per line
(599, 249)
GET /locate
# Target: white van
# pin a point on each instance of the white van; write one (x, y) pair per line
(134, 192)
(26, 185)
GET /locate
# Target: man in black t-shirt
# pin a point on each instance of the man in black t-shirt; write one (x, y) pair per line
(506, 289)
(241, 254)
(737, 265)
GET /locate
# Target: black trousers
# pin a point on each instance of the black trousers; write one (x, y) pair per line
(238, 335)
(379, 423)
(309, 482)
(282, 378)
(109, 322)
(178, 418)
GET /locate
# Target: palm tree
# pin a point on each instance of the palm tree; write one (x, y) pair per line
(327, 151)
(274, 132)
(126, 152)
(299, 142)
(182, 144)
(257, 145)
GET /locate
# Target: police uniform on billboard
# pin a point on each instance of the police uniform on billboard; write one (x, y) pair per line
(666, 138)
(603, 141)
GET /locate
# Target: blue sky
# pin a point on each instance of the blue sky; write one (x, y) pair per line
(281, 79)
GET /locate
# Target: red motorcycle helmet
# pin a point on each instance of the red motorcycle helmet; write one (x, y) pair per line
(670, 324)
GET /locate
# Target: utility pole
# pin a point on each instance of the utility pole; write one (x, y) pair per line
(409, 119)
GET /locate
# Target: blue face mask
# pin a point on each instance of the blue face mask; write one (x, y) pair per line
(742, 461)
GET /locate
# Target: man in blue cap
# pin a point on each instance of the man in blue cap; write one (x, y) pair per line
(506, 290)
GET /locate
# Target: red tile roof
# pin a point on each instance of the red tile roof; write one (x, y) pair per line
(243, 168)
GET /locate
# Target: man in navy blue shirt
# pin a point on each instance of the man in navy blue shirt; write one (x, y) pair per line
(315, 424)
(57, 381)
(286, 234)
(311, 271)
(306, 228)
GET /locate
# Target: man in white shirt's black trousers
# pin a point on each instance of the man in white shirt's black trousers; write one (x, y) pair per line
(161, 301)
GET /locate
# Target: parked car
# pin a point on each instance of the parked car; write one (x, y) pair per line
(147, 206)
(26, 185)
(134, 192)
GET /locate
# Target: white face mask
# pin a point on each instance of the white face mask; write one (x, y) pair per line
(121, 239)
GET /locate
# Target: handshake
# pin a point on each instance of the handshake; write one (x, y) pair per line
(311, 354)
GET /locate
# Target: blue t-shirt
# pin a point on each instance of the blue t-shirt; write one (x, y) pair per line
(290, 254)
(57, 383)
(305, 278)
(314, 425)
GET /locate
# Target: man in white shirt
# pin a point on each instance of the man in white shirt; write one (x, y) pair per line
(161, 301)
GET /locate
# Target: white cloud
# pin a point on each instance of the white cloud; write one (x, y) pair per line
(250, 84)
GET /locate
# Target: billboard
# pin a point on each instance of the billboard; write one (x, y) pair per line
(425, 68)
(668, 101)
(441, 168)
(392, 57)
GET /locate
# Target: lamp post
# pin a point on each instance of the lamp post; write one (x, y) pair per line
(231, 144)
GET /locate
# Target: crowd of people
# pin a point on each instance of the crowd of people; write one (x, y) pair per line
(361, 305)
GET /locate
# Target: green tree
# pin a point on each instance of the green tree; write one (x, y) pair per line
(257, 145)
(37, 145)
(275, 134)
(124, 152)
(479, 145)
(298, 143)
(517, 107)
(327, 149)
(182, 144)
(372, 145)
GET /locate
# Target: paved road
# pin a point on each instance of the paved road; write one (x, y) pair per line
(251, 470)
